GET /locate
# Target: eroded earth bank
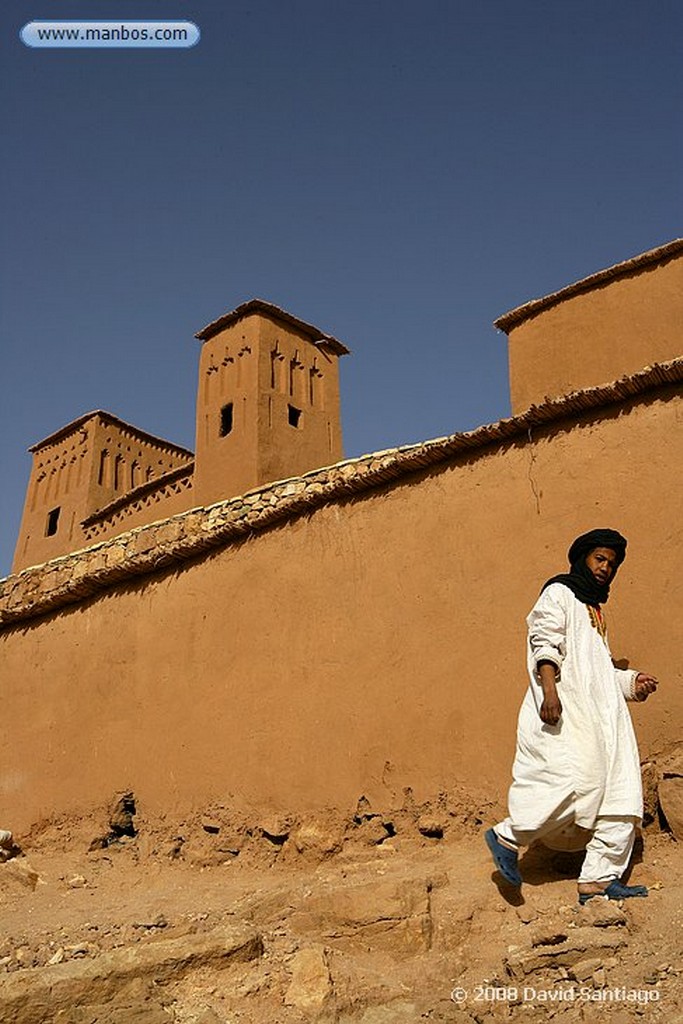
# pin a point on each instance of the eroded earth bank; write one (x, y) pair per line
(378, 917)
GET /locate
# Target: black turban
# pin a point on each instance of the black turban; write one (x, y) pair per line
(580, 579)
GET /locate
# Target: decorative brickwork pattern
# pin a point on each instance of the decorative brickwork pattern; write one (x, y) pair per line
(145, 496)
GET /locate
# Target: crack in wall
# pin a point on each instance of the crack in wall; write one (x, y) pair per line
(532, 483)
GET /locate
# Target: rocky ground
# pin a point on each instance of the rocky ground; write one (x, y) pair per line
(231, 917)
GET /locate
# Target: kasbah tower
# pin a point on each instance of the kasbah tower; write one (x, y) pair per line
(267, 409)
(264, 618)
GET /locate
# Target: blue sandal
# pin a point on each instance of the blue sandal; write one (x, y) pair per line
(506, 859)
(615, 891)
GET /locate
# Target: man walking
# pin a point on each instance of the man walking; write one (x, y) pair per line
(577, 759)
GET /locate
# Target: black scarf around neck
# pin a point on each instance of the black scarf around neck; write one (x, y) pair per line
(580, 579)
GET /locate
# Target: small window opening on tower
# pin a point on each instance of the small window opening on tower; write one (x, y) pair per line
(226, 419)
(52, 522)
(294, 416)
(104, 462)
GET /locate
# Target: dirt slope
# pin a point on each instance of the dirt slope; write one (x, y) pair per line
(235, 918)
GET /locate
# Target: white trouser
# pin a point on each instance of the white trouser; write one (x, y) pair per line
(607, 853)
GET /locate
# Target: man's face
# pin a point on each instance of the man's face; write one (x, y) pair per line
(602, 562)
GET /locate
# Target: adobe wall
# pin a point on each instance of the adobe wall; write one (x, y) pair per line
(596, 336)
(376, 643)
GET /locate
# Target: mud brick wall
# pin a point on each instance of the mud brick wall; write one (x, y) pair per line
(353, 631)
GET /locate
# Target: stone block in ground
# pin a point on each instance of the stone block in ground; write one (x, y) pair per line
(372, 831)
(601, 913)
(431, 826)
(18, 873)
(317, 837)
(39, 994)
(671, 802)
(275, 828)
(311, 985)
(384, 913)
(581, 943)
(583, 970)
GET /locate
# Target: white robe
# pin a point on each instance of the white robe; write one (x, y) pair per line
(588, 762)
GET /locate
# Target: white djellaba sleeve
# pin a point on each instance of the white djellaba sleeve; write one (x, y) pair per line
(626, 680)
(547, 622)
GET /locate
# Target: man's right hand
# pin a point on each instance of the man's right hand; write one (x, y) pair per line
(551, 710)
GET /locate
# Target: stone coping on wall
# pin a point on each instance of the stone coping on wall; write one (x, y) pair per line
(74, 577)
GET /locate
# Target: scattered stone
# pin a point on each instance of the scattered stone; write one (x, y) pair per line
(585, 969)
(121, 816)
(175, 850)
(582, 944)
(76, 882)
(549, 933)
(601, 914)
(373, 831)
(314, 836)
(311, 985)
(230, 850)
(211, 825)
(526, 913)
(275, 829)
(430, 827)
(19, 870)
(56, 957)
(79, 949)
(158, 922)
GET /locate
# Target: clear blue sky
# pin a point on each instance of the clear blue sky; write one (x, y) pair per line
(398, 173)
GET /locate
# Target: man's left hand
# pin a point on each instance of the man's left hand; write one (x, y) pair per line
(645, 685)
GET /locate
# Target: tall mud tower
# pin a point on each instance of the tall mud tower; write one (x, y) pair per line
(267, 401)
